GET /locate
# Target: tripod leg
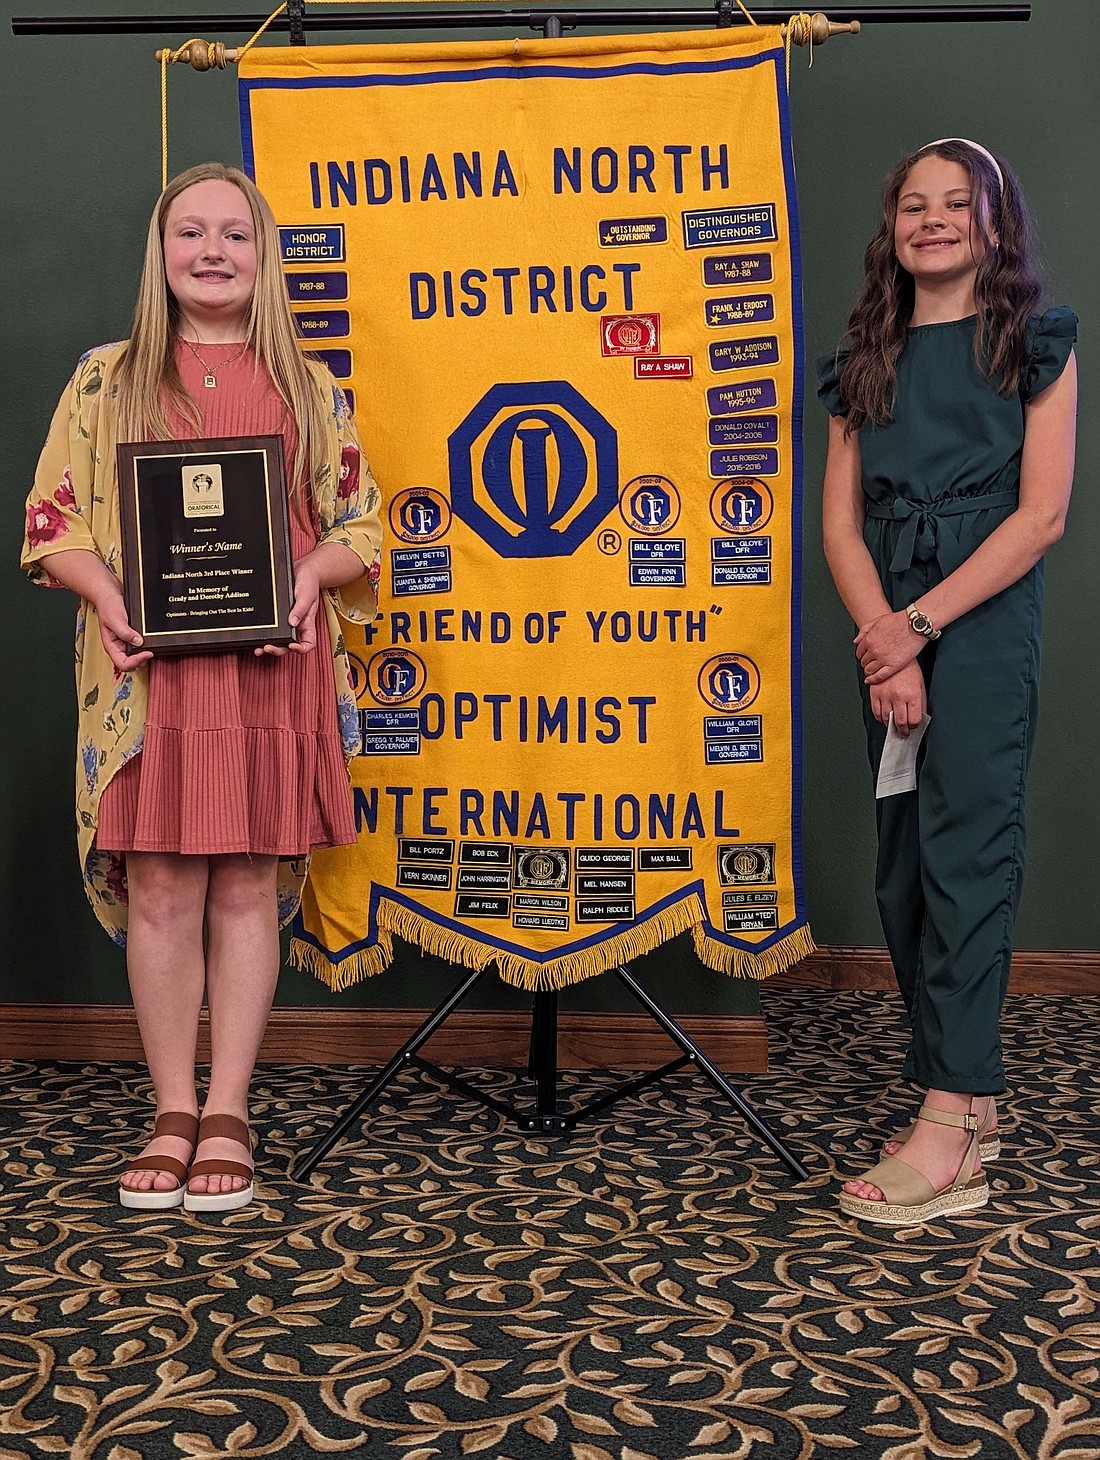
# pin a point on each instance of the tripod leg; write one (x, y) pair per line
(544, 1054)
(343, 1123)
(712, 1072)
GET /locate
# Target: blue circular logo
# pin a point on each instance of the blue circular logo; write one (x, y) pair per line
(650, 505)
(741, 505)
(419, 514)
(729, 682)
(396, 675)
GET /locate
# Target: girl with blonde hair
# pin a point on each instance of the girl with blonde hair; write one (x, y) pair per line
(204, 781)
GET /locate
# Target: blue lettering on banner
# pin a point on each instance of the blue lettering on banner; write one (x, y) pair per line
(382, 720)
(727, 549)
(733, 752)
(722, 726)
(745, 309)
(742, 430)
(391, 745)
(534, 289)
(658, 575)
(330, 285)
(420, 560)
(746, 395)
(744, 354)
(338, 362)
(763, 461)
(737, 268)
(615, 232)
(548, 434)
(404, 584)
(659, 550)
(312, 243)
(705, 227)
(723, 575)
(323, 324)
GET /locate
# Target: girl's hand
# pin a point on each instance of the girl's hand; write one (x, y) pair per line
(120, 638)
(886, 645)
(903, 695)
(303, 611)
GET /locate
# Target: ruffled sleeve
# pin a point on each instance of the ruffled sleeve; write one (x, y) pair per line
(829, 368)
(1050, 339)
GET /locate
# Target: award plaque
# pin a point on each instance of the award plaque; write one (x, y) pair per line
(206, 543)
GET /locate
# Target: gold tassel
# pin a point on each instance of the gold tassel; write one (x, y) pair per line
(338, 976)
(741, 963)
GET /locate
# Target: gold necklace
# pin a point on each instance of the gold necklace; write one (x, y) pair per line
(210, 380)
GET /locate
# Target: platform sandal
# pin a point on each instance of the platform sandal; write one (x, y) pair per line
(172, 1123)
(989, 1140)
(228, 1128)
(910, 1198)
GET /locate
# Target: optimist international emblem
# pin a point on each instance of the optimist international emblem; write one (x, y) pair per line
(534, 469)
(650, 505)
(419, 514)
(396, 675)
(729, 682)
(741, 505)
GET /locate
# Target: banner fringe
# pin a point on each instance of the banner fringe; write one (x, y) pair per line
(741, 963)
(341, 975)
(556, 973)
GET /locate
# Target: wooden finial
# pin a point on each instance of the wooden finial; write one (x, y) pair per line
(201, 55)
(819, 29)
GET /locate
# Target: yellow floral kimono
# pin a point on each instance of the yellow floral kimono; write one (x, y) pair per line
(74, 504)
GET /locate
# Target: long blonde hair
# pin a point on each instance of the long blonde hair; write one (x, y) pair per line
(147, 373)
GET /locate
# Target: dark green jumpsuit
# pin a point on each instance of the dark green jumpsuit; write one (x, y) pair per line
(938, 479)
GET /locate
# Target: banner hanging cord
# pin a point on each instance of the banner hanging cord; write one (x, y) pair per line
(799, 30)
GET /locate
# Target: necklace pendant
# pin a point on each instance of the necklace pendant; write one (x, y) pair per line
(210, 381)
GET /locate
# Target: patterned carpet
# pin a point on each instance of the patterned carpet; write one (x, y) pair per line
(653, 1288)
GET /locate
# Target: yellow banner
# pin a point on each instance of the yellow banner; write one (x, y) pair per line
(561, 281)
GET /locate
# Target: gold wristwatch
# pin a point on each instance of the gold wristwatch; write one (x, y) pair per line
(920, 623)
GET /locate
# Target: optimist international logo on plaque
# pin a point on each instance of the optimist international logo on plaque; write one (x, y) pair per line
(202, 490)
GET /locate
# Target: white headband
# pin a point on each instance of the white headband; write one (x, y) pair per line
(977, 146)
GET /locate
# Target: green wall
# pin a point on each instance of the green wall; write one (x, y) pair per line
(80, 167)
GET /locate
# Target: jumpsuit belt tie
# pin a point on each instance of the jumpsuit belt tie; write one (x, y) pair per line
(926, 533)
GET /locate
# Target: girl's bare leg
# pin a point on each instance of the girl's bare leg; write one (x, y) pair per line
(164, 960)
(242, 968)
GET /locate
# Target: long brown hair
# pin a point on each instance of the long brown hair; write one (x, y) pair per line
(147, 373)
(1006, 288)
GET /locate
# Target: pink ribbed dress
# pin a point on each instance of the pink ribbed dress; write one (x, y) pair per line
(242, 753)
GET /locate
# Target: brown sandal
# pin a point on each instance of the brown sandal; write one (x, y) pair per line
(171, 1123)
(228, 1128)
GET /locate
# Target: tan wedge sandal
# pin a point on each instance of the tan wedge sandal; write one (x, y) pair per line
(989, 1140)
(172, 1123)
(910, 1198)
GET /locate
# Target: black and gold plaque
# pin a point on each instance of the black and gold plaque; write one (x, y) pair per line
(206, 543)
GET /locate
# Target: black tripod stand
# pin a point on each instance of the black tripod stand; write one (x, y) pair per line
(542, 1067)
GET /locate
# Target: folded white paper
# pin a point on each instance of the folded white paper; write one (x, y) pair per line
(897, 769)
